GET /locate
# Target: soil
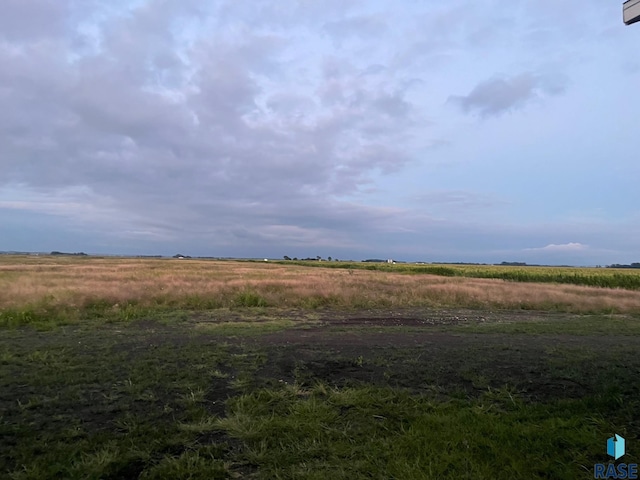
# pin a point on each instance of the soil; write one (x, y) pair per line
(422, 351)
(409, 349)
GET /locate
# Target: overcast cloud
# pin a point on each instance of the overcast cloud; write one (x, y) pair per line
(457, 132)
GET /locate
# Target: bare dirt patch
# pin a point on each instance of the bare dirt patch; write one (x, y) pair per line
(414, 350)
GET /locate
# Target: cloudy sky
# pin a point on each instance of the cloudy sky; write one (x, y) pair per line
(420, 130)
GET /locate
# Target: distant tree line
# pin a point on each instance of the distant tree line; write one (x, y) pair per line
(78, 254)
(617, 265)
(317, 259)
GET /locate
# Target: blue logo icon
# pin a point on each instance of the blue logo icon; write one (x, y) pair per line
(616, 449)
(615, 446)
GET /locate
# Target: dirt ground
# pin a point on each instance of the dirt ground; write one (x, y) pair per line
(156, 371)
(417, 350)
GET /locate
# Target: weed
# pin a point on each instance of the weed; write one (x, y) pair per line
(204, 425)
(193, 396)
(192, 464)
(248, 298)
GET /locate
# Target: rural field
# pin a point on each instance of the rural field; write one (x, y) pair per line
(114, 368)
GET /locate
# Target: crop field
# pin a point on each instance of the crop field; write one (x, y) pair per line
(114, 368)
(595, 277)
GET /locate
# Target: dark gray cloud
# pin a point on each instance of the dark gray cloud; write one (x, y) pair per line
(503, 94)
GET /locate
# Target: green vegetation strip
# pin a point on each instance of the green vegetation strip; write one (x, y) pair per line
(621, 325)
(46, 313)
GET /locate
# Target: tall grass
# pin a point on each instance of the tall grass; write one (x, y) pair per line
(35, 290)
(594, 277)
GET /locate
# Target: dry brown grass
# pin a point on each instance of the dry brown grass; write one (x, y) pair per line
(79, 283)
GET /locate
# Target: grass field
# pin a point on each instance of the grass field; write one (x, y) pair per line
(63, 290)
(121, 368)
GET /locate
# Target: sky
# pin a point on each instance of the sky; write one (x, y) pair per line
(455, 131)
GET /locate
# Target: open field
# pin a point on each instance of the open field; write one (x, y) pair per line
(114, 368)
(50, 290)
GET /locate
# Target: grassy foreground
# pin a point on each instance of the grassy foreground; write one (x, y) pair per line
(113, 369)
(150, 400)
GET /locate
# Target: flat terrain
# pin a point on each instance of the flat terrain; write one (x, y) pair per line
(306, 390)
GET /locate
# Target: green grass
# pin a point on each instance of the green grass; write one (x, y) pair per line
(568, 325)
(248, 298)
(82, 404)
(45, 315)
(247, 328)
(365, 432)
